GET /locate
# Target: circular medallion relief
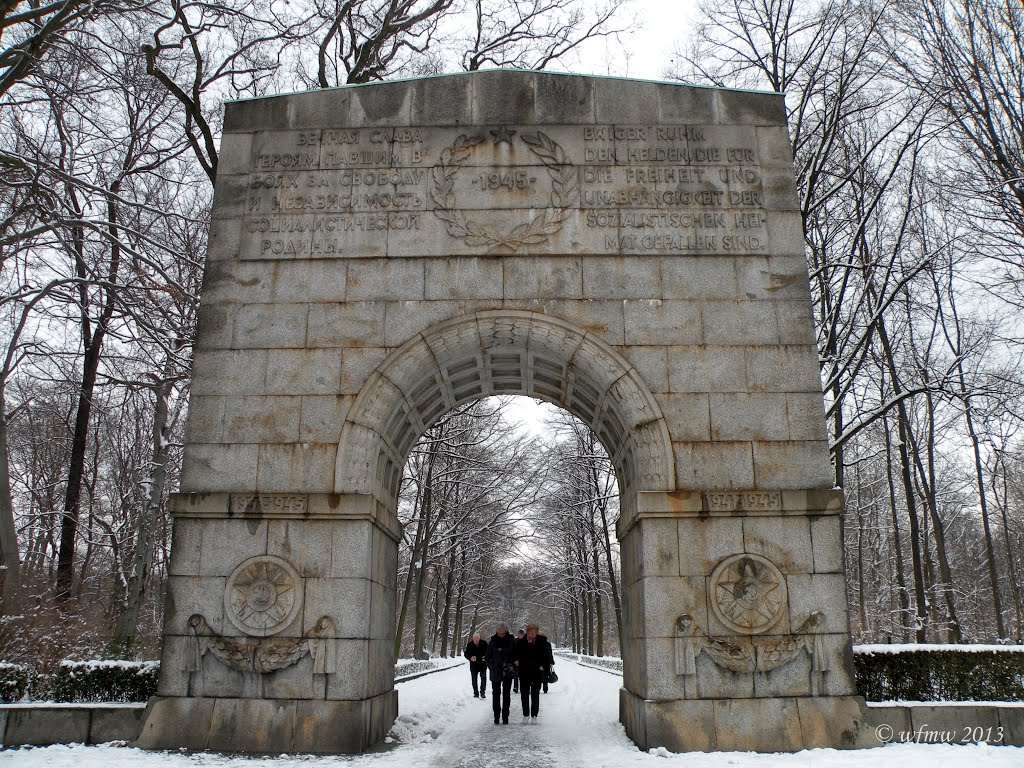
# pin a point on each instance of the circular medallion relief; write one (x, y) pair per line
(748, 593)
(263, 595)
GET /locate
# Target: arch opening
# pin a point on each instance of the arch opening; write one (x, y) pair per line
(493, 496)
(503, 353)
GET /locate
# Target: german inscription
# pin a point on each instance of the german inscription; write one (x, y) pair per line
(671, 189)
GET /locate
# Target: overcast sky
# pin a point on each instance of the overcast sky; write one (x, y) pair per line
(650, 48)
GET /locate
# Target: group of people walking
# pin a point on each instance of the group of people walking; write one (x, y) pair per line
(519, 664)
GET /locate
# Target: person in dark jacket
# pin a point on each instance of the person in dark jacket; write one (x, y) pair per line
(476, 652)
(549, 664)
(501, 656)
(515, 680)
(533, 655)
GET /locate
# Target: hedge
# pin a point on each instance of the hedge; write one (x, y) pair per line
(80, 681)
(17, 681)
(940, 672)
(105, 680)
(883, 673)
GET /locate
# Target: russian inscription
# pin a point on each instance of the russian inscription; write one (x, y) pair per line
(608, 189)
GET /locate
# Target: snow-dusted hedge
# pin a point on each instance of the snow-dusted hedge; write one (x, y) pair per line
(407, 667)
(940, 672)
(608, 662)
(104, 680)
(16, 681)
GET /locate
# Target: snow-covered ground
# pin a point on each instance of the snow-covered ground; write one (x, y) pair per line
(443, 726)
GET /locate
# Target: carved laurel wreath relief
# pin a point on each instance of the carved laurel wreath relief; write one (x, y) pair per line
(747, 594)
(263, 597)
(564, 190)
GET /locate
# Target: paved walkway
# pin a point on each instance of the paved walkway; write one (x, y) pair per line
(578, 713)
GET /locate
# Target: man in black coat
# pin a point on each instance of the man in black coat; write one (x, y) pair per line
(533, 658)
(476, 652)
(501, 665)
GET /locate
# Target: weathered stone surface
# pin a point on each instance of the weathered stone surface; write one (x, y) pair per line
(840, 721)
(783, 464)
(380, 254)
(714, 465)
(115, 724)
(623, 278)
(230, 372)
(881, 725)
(226, 543)
(218, 466)
(54, 725)
(252, 725)
(346, 601)
(187, 595)
(745, 416)
(738, 723)
(173, 723)
(354, 324)
(307, 545)
(185, 554)
(786, 541)
(354, 661)
(294, 682)
(304, 467)
(703, 542)
(206, 419)
(827, 543)
(303, 372)
(529, 276)
(707, 369)
(682, 725)
(657, 550)
(648, 321)
(262, 419)
(322, 417)
(663, 599)
(174, 677)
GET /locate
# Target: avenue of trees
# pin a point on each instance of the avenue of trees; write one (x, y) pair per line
(504, 525)
(906, 118)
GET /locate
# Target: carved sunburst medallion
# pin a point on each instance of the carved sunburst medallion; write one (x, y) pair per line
(748, 593)
(263, 595)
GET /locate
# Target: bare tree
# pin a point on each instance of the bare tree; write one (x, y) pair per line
(533, 34)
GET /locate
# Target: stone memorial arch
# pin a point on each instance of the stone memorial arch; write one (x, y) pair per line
(379, 254)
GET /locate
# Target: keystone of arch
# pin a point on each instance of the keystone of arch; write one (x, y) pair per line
(502, 353)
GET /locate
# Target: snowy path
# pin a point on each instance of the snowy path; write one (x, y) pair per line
(583, 703)
(443, 726)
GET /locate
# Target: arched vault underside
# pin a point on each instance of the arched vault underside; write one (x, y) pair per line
(502, 353)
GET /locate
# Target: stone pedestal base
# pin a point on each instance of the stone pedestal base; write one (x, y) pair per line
(759, 725)
(267, 725)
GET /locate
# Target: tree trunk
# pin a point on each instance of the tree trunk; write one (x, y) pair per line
(903, 428)
(1010, 560)
(447, 604)
(93, 345)
(903, 594)
(927, 479)
(990, 550)
(128, 622)
(9, 563)
(459, 603)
